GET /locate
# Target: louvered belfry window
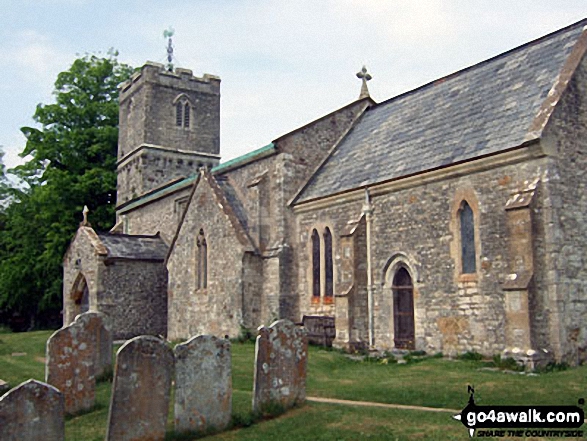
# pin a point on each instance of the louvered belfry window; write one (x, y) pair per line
(186, 115)
(179, 114)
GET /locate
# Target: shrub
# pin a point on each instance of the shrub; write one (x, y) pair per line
(470, 356)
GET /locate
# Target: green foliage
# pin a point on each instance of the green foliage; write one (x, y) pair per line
(470, 356)
(71, 162)
(552, 367)
(246, 335)
(507, 363)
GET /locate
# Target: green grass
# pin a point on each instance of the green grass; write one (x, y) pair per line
(430, 382)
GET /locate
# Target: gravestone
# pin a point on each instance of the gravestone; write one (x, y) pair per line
(32, 411)
(140, 392)
(96, 325)
(280, 366)
(69, 366)
(203, 384)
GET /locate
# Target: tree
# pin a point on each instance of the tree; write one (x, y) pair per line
(71, 163)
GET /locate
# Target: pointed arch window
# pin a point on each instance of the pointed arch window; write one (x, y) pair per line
(328, 267)
(467, 226)
(315, 266)
(202, 261)
(183, 111)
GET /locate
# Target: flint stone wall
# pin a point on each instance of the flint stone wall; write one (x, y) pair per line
(281, 355)
(69, 366)
(140, 392)
(203, 384)
(32, 411)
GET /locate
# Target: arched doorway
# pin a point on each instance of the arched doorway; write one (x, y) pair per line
(80, 295)
(403, 309)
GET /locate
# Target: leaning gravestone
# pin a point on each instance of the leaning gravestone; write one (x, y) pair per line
(32, 411)
(69, 366)
(280, 366)
(203, 384)
(140, 392)
(97, 328)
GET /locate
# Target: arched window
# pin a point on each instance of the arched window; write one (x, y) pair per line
(328, 267)
(467, 223)
(179, 114)
(186, 115)
(315, 266)
(403, 309)
(202, 260)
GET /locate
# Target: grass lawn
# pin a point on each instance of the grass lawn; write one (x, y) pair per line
(431, 382)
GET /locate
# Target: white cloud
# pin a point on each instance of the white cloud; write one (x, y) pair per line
(36, 56)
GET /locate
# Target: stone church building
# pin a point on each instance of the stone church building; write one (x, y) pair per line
(450, 218)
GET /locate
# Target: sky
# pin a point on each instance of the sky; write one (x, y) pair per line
(282, 63)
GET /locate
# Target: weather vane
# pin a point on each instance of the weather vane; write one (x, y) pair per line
(168, 34)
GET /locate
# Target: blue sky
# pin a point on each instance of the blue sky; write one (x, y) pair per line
(282, 63)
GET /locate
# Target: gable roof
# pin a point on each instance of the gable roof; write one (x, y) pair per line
(482, 110)
(227, 201)
(135, 247)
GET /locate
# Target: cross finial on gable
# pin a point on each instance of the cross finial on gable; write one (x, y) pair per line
(85, 222)
(364, 76)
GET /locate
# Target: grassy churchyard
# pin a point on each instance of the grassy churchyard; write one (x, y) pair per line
(422, 381)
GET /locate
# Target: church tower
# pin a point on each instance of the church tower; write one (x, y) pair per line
(169, 128)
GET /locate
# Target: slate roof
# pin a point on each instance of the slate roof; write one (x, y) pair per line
(481, 110)
(124, 246)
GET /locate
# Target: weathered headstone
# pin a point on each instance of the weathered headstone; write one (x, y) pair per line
(280, 366)
(69, 366)
(140, 392)
(203, 384)
(32, 411)
(97, 327)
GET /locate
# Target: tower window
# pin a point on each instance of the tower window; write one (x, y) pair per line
(182, 113)
(178, 114)
(186, 115)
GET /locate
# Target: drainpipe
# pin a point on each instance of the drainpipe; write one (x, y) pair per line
(368, 212)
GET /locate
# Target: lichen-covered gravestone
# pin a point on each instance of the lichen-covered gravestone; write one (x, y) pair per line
(97, 327)
(203, 384)
(280, 366)
(69, 366)
(32, 411)
(140, 392)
